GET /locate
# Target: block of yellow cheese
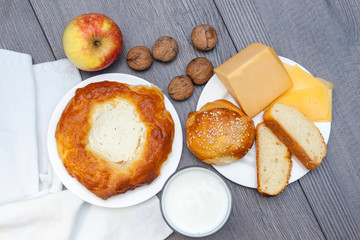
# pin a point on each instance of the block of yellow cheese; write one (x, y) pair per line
(312, 96)
(255, 77)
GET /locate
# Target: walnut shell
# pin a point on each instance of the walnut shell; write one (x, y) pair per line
(181, 87)
(165, 49)
(200, 70)
(204, 37)
(139, 58)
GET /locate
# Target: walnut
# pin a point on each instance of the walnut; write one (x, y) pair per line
(165, 49)
(139, 58)
(181, 87)
(204, 37)
(200, 70)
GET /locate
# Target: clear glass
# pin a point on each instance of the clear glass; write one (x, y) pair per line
(169, 183)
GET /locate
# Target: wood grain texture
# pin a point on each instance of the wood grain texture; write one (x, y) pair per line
(254, 216)
(324, 38)
(332, 189)
(20, 31)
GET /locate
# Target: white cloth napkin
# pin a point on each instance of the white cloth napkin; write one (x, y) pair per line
(32, 202)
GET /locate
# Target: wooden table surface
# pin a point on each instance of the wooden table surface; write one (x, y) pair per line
(323, 36)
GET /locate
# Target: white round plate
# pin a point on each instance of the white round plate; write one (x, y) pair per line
(244, 171)
(131, 197)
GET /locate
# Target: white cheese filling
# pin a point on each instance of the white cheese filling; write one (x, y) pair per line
(117, 132)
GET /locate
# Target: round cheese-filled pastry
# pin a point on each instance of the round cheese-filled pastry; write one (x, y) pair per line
(114, 137)
(219, 133)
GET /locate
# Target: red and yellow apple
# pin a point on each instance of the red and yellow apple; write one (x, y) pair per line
(92, 41)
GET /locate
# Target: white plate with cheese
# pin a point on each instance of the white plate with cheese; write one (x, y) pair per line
(244, 170)
(131, 197)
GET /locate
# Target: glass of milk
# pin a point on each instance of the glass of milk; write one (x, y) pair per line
(196, 202)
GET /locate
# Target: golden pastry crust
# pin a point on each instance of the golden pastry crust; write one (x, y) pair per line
(102, 177)
(219, 133)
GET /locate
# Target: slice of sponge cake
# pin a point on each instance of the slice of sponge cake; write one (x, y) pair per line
(298, 133)
(273, 162)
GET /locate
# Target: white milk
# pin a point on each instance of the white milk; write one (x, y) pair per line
(196, 202)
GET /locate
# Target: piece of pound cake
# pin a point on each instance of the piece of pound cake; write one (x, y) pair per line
(273, 162)
(298, 133)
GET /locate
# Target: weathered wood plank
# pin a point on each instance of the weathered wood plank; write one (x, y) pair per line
(20, 31)
(142, 22)
(323, 37)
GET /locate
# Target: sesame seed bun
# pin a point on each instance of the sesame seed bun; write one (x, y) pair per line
(219, 133)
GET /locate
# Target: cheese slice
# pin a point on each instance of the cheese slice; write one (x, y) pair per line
(312, 96)
(330, 87)
(313, 102)
(302, 79)
(328, 84)
(255, 77)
